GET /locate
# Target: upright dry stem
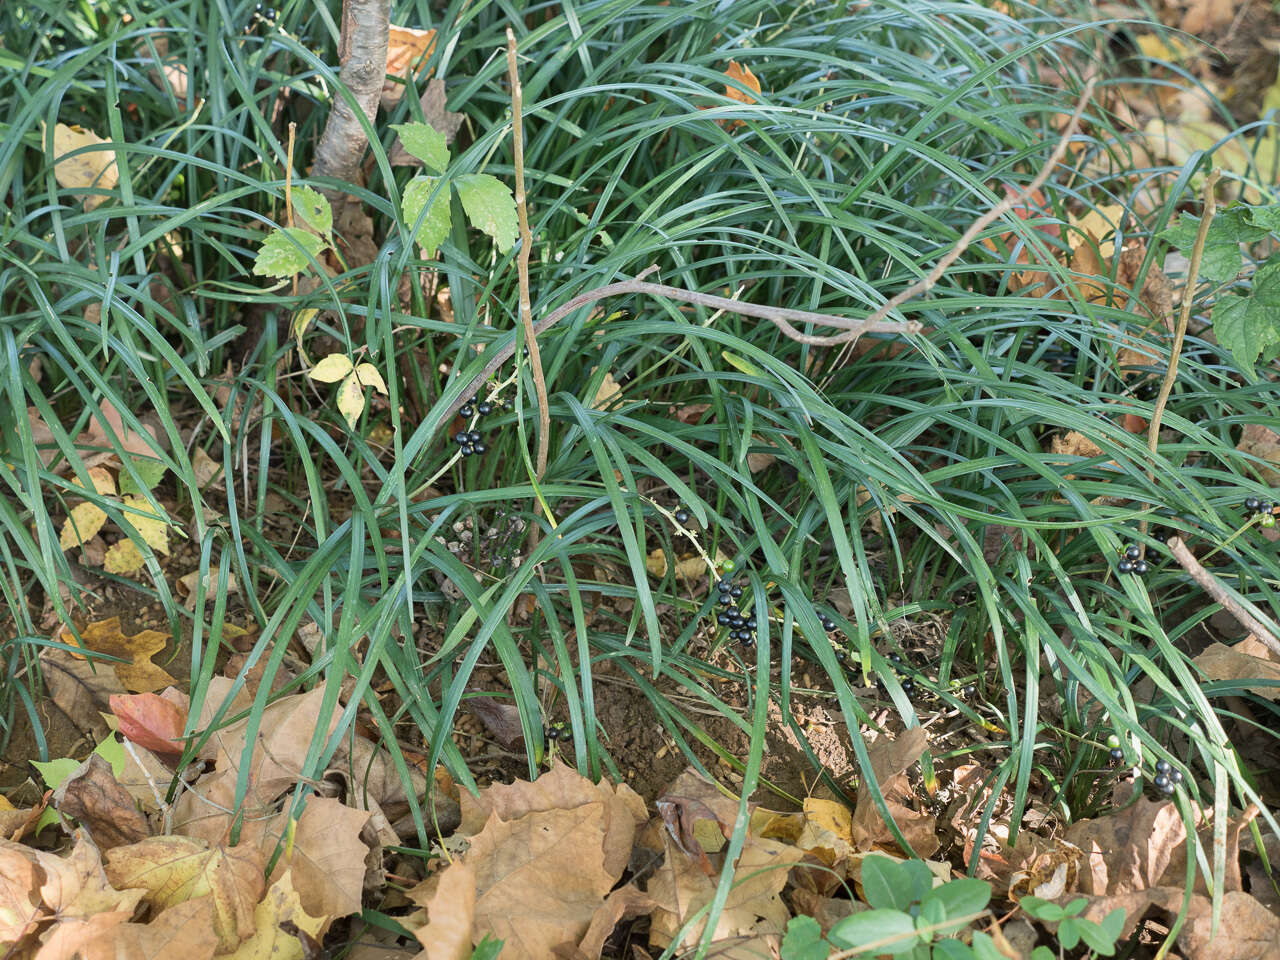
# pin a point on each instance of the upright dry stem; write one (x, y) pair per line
(522, 259)
(1214, 588)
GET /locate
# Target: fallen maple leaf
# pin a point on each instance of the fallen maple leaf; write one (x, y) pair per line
(77, 886)
(185, 931)
(327, 862)
(173, 870)
(744, 76)
(449, 899)
(1132, 849)
(20, 904)
(1250, 659)
(137, 673)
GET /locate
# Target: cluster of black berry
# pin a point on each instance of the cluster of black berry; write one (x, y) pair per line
(469, 441)
(558, 731)
(1167, 778)
(1132, 561)
(908, 685)
(742, 627)
(1256, 505)
(261, 13)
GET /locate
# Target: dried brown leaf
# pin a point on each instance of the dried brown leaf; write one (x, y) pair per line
(450, 908)
(137, 673)
(327, 862)
(185, 931)
(104, 808)
(889, 761)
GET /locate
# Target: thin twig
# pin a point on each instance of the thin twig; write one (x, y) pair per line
(782, 317)
(1210, 205)
(522, 259)
(288, 191)
(1214, 588)
(929, 280)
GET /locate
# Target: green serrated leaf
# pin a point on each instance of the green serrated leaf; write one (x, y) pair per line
(285, 252)
(437, 221)
(489, 206)
(1245, 327)
(424, 142)
(803, 940)
(892, 931)
(150, 471)
(313, 207)
(1265, 218)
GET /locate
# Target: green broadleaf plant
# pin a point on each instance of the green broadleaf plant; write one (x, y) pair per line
(1248, 325)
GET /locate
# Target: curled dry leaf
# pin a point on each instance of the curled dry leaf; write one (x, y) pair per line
(754, 914)
(1132, 849)
(889, 761)
(407, 48)
(327, 860)
(500, 717)
(151, 721)
(698, 816)
(104, 808)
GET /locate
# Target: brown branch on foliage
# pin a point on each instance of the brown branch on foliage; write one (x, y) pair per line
(366, 31)
(782, 317)
(522, 259)
(1214, 588)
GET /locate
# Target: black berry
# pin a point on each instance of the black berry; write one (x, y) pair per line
(1117, 754)
(751, 621)
(484, 408)
(1252, 504)
(461, 436)
(895, 657)
(1162, 783)
(1141, 567)
(908, 686)
(1133, 552)
(724, 586)
(735, 592)
(1125, 566)
(841, 656)
(970, 690)
(479, 446)
(1161, 535)
(682, 516)
(1163, 766)
(748, 640)
(722, 619)
(725, 600)
(465, 410)
(1175, 776)
(467, 449)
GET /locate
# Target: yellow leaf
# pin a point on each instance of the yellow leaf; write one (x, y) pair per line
(103, 482)
(82, 525)
(154, 529)
(174, 870)
(608, 392)
(93, 169)
(351, 400)
(301, 320)
(745, 77)
(123, 558)
(369, 376)
(137, 674)
(279, 925)
(331, 369)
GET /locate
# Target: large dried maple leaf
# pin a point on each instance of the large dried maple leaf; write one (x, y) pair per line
(327, 861)
(185, 931)
(173, 870)
(562, 788)
(77, 886)
(451, 908)
(540, 879)
(20, 904)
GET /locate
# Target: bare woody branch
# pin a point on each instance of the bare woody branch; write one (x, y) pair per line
(1214, 588)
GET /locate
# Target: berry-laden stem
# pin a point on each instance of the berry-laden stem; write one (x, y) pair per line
(1214, 588)
(522, 259)
(782, 317)
(1210, 206)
